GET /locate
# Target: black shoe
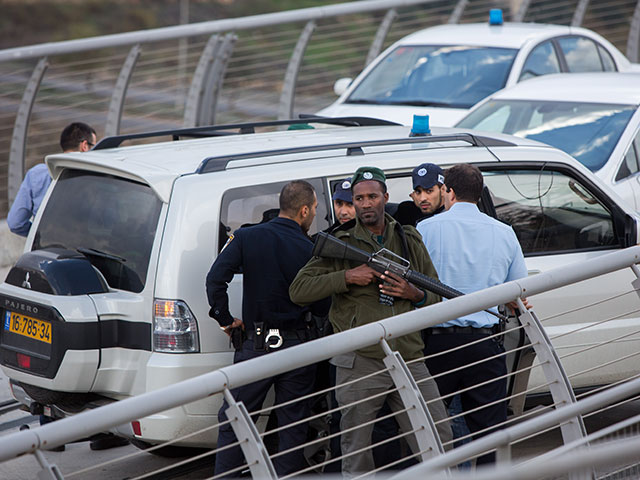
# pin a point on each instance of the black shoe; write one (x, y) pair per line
(103, 441)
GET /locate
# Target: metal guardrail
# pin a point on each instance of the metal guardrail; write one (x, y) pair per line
(567, 414)
(582, 459)
(223, 71)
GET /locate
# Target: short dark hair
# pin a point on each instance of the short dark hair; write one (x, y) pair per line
(466, 181)
(295, 195)
(74, 134)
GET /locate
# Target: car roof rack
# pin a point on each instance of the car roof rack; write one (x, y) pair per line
(242, 128)
(216, 164)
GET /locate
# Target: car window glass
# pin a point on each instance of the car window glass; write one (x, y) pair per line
(580, 54)
(496, 119)
(629, 164)
(112, 217)
(452, 76)
(541, 61)
(587, 131)
(246, 206)
(608, 64)
(550, 212)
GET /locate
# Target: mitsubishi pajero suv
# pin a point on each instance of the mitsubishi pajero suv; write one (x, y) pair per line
(108, 300)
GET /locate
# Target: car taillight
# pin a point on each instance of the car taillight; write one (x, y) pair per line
(24, 361)
(175, 329)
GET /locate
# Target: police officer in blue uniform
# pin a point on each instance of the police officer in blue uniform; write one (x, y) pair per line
(269, 255)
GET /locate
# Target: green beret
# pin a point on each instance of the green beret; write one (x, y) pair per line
(368, 173)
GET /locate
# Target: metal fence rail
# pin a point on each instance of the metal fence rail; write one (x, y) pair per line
(547, 373)
(251, 68)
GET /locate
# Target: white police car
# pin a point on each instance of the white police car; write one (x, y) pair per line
(443, 71)
(108, 301)
(595, 117)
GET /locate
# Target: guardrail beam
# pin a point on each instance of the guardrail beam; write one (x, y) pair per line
(49, 471)
(559, 384)
(425, 429)
(214, 80)
(20, 128)
(458, 11)
(633, 41)
(285, 111)
(116, 104)
(254, 450)
(381, 34)
(522, 11)
(196, 90)
(579, 13)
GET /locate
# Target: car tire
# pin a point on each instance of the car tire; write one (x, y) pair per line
(169, 451)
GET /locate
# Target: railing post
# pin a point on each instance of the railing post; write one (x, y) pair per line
(49, 471)
(285, 110)
(559, 384)
(633, 41)
(20, 128)
(214, 80)
(503, 454)
(254, 450)
(425, 430)
(381, 34)
(120, 92)
(578, 15)
(457, 11)
(196, 90)
(522, 11)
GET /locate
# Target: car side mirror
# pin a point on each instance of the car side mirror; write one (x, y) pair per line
(341, 85)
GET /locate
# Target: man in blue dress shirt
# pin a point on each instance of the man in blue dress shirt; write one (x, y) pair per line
(76, 137)
(470, 251)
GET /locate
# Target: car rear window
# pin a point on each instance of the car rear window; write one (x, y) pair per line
(111, 220)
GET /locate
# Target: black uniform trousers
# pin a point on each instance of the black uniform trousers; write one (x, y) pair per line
(471, 375)
(288, 386)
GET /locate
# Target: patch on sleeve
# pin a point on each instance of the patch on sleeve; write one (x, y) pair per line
(231, 237)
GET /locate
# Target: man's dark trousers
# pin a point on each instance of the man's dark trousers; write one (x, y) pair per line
(288, 386)
(495, 368)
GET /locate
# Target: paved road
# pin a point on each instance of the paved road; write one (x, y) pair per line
(78, 456)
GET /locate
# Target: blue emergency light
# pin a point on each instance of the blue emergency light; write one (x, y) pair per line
(495, 16)
(420, 126)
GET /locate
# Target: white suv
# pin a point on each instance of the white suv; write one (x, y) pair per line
(108, 300)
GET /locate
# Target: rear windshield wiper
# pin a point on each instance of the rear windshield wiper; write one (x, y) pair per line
(98, 253)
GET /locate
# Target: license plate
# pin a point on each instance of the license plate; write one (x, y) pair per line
(28, 326)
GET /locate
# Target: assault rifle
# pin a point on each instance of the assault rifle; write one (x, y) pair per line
(328, 246)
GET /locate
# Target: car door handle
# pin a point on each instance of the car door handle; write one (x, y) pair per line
(533, 272)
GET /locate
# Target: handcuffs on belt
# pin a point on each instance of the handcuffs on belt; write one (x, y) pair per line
(273, 335)
(270, 341)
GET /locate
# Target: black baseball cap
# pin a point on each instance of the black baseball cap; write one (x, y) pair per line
(343, 191)
(427, 175)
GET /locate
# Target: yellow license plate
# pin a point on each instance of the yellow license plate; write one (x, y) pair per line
(28, 326)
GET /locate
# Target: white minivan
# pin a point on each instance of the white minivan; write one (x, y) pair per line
(108, 300)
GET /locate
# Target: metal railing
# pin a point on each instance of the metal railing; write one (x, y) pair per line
(565, 414)
(258, 67)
